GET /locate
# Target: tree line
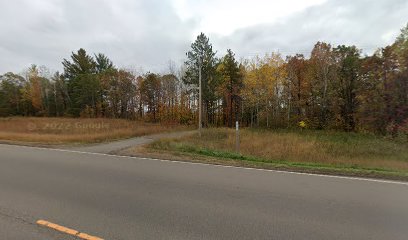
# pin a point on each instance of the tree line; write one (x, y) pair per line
(336, 87)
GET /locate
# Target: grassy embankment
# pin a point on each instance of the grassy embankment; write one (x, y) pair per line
(307, 151)
(74, 130)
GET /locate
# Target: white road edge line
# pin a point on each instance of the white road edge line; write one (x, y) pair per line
(217, 165)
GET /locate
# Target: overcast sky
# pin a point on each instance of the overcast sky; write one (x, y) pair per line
(147, 34)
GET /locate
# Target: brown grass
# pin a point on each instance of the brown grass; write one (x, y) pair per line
(74, 130)
(317, 148)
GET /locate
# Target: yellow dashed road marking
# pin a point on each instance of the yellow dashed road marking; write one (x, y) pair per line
(67, 230)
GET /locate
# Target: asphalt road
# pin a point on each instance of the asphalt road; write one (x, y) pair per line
(131, 198)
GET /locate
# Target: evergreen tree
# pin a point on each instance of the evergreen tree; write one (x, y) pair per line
(231, 85)
(202, 53)
(83, 85)
(103, 63)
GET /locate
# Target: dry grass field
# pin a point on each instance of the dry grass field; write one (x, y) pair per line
(74, 130)
(298, 149)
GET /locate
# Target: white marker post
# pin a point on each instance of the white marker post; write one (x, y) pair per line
(237, 136)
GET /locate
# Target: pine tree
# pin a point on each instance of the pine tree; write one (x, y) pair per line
(202, 53)
(231, 84)
(83, 85)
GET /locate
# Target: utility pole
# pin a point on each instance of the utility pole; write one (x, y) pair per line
(199, 98)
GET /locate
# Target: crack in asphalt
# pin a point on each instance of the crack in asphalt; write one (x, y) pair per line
(7, 213)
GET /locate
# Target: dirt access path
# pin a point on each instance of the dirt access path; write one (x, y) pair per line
(120, 145)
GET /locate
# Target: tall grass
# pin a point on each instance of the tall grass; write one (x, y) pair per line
(71, 130)
(323, 148)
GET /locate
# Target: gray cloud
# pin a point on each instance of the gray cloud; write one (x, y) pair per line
(132, 33)
(147, 33)
(367, 24)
